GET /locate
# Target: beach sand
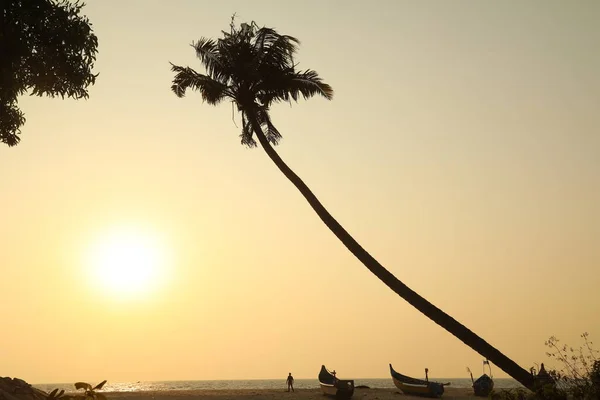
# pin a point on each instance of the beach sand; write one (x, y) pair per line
(260, 394)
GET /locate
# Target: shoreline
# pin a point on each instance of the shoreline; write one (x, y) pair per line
(271, 394)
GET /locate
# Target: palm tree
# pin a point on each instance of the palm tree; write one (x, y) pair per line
(254, 68)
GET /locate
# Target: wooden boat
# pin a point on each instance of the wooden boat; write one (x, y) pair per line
(417, 387)
(542, 378)
(332, 386)
(484, 385)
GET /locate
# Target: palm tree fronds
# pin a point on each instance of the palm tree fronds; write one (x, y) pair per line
(264, 121)
(271, 133)
(286, 85)
(207, 52)
(212, 91)
(273, 49)
(253, 66)
(268, 38)
(247, 133)
(309, 83)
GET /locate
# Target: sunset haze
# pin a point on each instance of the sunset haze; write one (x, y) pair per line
(461, 149)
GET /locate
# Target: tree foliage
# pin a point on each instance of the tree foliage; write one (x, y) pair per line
(578, 370)
(576, 375)
(253, 68)
(48, 48)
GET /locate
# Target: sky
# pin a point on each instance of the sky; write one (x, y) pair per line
(460, 149)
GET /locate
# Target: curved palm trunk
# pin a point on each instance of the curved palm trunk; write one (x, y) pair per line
(432, 312)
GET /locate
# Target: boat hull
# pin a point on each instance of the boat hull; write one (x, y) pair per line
(416, 387)
(483, 386)
(342, 390)
(331, 386)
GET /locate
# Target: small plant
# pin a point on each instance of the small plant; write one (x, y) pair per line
(577, 377)
(55, 394)
(580, 372)
(90, 393)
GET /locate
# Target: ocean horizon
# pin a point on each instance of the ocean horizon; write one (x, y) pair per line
(236, 384)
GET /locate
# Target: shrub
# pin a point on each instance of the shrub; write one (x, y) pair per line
(579, 371)
(577, 377)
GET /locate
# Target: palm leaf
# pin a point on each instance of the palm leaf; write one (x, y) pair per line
(274, 49)
(99, 386)
(207, 52)
(288, 84)
(83, 385)
(247, 132)
(271, 133)
(308, 84)
(212, 91)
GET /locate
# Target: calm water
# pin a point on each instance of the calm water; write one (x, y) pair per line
(256, 384)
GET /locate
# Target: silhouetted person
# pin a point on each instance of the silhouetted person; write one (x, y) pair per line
(334, 377)
(290, 382)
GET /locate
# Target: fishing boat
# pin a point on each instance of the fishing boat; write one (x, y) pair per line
(542, 378)
(332, 386)
(417, 387)
(484, 385)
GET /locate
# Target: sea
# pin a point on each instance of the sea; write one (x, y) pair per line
(385, 383)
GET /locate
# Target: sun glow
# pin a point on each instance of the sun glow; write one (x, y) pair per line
(128, 263)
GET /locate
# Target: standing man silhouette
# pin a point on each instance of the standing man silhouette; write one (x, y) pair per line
(290, 382)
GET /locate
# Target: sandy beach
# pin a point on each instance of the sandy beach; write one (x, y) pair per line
(299, 394)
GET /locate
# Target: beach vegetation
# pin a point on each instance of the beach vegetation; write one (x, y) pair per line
(48, 49)
(576, 374)
(89, 392)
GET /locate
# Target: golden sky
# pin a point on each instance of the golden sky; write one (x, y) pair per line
(461, 150)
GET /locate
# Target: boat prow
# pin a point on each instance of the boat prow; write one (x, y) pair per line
(483, 386)
(332, 386)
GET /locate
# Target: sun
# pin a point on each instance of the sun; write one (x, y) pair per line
(128, 262)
